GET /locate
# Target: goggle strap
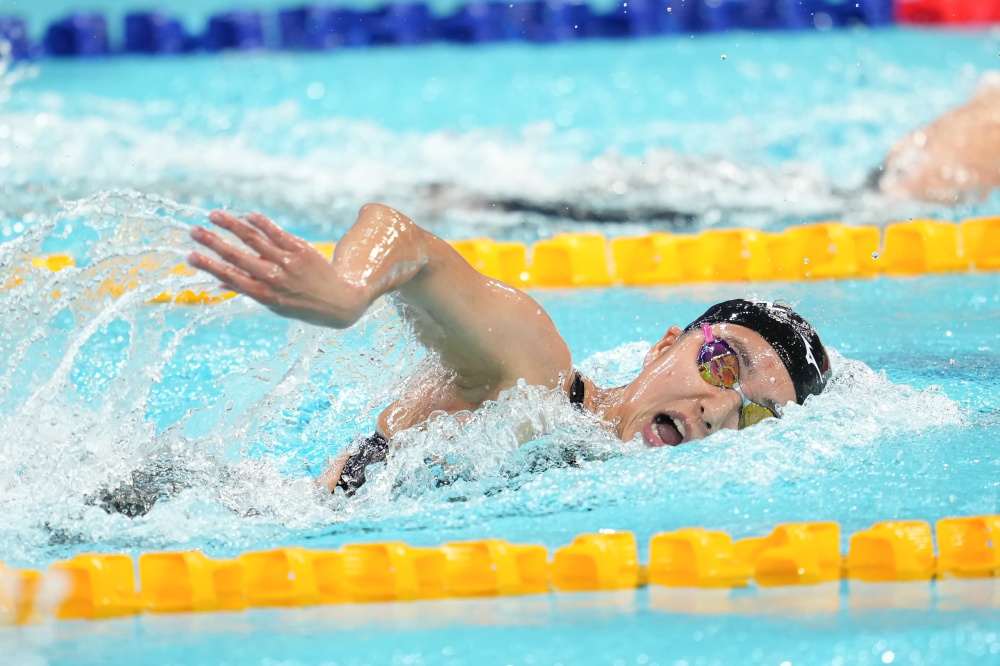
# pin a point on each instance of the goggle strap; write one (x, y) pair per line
(739, 392)
(707, 330)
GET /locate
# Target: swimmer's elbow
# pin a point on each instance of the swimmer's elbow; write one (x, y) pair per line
(391, 225)
(383, 215)
(382, 251)
(375, 210)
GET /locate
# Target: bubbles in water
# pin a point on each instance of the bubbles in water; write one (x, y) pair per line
(316, 90)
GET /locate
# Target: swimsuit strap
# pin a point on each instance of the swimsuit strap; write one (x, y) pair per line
(576, 390)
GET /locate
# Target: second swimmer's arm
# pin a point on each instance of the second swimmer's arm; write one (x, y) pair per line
(955, 157)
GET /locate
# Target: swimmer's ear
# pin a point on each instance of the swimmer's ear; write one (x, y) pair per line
(668, 339)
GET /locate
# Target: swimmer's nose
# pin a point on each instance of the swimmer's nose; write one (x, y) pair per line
(718, 408)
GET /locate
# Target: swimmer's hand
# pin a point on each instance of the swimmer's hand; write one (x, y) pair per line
(282, 272)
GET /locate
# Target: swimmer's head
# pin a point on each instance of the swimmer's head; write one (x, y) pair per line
(778, 357)
(796, 342)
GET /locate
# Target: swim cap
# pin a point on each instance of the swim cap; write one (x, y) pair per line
(795, 340)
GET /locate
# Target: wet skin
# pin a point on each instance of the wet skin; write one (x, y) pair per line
(955, 158)
(670, 389)
(487, 334)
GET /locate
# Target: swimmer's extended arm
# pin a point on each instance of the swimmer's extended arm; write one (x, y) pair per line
(954, 158)
(488, 334)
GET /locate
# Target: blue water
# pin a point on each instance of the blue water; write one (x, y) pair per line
(655, 626)
(249, 406)
(783, 130)
(114, 159)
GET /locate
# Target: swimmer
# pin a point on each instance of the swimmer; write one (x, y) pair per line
(955, 158)
(737, 364)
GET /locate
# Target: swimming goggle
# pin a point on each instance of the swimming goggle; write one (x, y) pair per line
(720, 367)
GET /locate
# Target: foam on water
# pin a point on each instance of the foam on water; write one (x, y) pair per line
(206, 149)
(451, 180)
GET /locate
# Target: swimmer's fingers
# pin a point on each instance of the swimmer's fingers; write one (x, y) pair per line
(255, 266)
(253, 238)
(278, 236)
(234, 279)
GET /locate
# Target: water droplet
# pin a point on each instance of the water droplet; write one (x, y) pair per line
(806, 260)
(723, 56)
(316, 90)
(874, 255)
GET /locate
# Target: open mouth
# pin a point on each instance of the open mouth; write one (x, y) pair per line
(665, 430)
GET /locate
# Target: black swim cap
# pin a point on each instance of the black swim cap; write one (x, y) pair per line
(795, 340)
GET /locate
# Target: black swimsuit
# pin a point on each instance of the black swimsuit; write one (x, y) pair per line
(375, 449)
(576, 390)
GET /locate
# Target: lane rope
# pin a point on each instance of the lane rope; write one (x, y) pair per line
(96, 586)
(326, 27)
(808, 252)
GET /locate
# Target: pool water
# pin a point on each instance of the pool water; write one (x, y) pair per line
(113, 160)
(654, 626)
(249, 406)
(785, 129)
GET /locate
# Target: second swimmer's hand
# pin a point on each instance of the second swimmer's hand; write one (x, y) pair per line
(282, 272)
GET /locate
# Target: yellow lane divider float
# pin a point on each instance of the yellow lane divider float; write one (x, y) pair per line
(815, 251)
(104, 586)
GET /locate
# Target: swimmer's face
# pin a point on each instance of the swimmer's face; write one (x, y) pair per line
(670, 403)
